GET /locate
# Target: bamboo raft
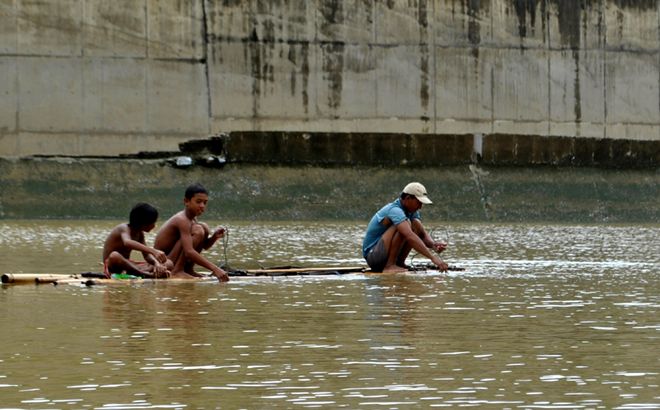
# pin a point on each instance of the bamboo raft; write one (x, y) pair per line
(93, 278)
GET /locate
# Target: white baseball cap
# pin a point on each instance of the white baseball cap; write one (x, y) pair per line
(418, 190)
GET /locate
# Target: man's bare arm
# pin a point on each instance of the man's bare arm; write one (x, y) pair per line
(405, 229)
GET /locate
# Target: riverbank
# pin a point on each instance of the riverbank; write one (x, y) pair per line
(90, 188)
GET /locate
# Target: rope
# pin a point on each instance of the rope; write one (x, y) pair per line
(225, 245)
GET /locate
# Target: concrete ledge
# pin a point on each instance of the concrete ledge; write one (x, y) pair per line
(385, 149)
(348, 148)
(566, 151)
(362, 149)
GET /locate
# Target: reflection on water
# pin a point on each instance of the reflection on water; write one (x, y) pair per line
(543, 317)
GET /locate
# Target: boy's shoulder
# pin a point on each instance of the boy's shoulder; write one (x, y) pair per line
(134, 231)
(182, 216)
(122, 227)
(177, 218)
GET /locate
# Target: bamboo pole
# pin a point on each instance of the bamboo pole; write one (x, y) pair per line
(32, 278)
(71, 281)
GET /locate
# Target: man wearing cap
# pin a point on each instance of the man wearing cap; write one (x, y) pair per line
(396, 229)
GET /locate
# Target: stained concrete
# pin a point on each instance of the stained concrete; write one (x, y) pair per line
(392, 149)
(433, 150)
(92, 77)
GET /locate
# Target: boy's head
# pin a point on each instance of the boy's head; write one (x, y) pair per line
(143, 215)
(195, 200)
(195, 189)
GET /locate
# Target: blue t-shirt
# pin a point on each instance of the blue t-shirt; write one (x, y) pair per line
(394, 212)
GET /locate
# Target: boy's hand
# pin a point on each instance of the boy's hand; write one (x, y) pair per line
(160, 256)
(219, 232)
(221, 275)
(160, 271)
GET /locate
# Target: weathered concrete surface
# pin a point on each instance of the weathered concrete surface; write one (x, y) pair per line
(428, 150)
(68, 188)
(546, 67)
(94, 77)
(395, 150)
(91, 77)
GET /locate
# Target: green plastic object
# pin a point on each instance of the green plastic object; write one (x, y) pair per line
(123, 276)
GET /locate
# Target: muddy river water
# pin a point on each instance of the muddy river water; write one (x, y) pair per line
(543, 317)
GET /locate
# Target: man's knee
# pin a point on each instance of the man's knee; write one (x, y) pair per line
(388, 235)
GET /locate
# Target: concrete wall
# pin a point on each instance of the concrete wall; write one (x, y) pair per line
(98, 77)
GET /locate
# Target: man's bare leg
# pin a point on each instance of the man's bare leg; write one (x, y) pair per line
(403, 255)
(417, 228)
(393, 242)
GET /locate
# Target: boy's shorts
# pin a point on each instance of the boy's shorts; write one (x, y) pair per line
(377, 257)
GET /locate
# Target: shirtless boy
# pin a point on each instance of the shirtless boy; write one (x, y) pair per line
(183, 237)
(127, 237)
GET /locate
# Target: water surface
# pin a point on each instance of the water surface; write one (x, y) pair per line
(545, 316)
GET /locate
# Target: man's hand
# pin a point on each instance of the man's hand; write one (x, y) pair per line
(439, 246)
(442, 266)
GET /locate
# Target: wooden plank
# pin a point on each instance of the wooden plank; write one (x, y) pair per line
(345, 269)
(91, 282)
(89, 278)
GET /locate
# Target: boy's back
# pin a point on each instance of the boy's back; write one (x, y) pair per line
(115, 243)
(127, 237)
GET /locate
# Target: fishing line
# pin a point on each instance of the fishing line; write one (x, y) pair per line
(225, 245)
(432, 235)
(446, 236)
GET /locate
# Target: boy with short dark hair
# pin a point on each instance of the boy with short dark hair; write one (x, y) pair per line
(127, 237)
(183, 237)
